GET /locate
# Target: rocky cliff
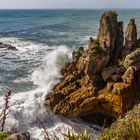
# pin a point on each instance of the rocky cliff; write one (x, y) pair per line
(103, 78)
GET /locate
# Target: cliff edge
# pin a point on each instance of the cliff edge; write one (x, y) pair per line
(103, 78)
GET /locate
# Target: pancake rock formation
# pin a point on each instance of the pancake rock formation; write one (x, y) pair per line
(103, 78)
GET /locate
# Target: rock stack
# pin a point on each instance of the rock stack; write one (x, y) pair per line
(105, 77)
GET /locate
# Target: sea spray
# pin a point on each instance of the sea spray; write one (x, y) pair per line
(44, 65)
(48, 73)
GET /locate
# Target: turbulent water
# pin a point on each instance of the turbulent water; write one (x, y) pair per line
(45, 40)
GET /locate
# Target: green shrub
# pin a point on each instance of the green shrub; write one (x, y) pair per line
(3, 135)
(73, 136)
(127, 128)
(96, 48)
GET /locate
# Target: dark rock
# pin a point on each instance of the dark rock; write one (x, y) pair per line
(108, 31)
(119, 42)
(131, 34)
(130, 38)
(107, 73)
(6, 46)
(116, 78)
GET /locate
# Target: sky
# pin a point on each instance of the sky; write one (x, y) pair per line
(64, 4)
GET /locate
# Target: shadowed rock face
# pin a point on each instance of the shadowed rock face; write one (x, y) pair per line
(98, 80)
(108, 31)
(131, 34)
(130, 38)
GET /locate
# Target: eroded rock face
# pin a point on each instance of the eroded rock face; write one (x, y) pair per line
(94, 82)
(130, 38)
(131, 34)
(132, 59)
(108, 31)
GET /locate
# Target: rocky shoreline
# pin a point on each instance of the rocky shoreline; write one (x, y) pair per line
(103, 78)
(102, 81)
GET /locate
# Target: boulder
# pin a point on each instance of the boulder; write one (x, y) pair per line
(113, 74)
(107, 73)
(116, 78)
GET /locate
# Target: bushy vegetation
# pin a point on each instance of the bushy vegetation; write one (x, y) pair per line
(96, 48)
(127, 128)
(73, 136)
(3, 135)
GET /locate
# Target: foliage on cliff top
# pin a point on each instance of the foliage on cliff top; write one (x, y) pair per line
(96, 48)
(127, 128)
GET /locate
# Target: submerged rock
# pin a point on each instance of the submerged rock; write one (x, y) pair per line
(94, 82)
(6, 46)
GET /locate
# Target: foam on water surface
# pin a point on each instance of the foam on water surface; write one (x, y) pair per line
(27, 107)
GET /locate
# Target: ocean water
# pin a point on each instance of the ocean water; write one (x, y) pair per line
(45, 40)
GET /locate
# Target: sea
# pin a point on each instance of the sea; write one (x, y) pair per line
(45, 40)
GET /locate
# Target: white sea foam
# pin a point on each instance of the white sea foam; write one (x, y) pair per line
(26, 107)
(49, 72)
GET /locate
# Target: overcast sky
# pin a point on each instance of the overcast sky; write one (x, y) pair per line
(30, 4)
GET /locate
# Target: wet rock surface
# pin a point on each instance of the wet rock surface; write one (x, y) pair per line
(8, 47)
(99, 79)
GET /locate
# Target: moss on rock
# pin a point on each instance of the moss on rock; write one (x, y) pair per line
(96, 48)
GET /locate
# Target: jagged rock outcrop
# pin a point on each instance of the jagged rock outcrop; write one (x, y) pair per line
(131, 34)
(119, 42)
(94, 82)
(130, 38)
(108, 31)
(133, 59)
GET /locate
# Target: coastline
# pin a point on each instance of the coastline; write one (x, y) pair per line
(76, 55)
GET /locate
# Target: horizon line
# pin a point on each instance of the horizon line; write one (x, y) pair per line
(68, 8)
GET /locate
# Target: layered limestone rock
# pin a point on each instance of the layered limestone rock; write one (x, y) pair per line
(108, 31)
(130, 38)
(131, 34)
(95, 81)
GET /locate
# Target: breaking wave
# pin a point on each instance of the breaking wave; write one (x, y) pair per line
(42, 68)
